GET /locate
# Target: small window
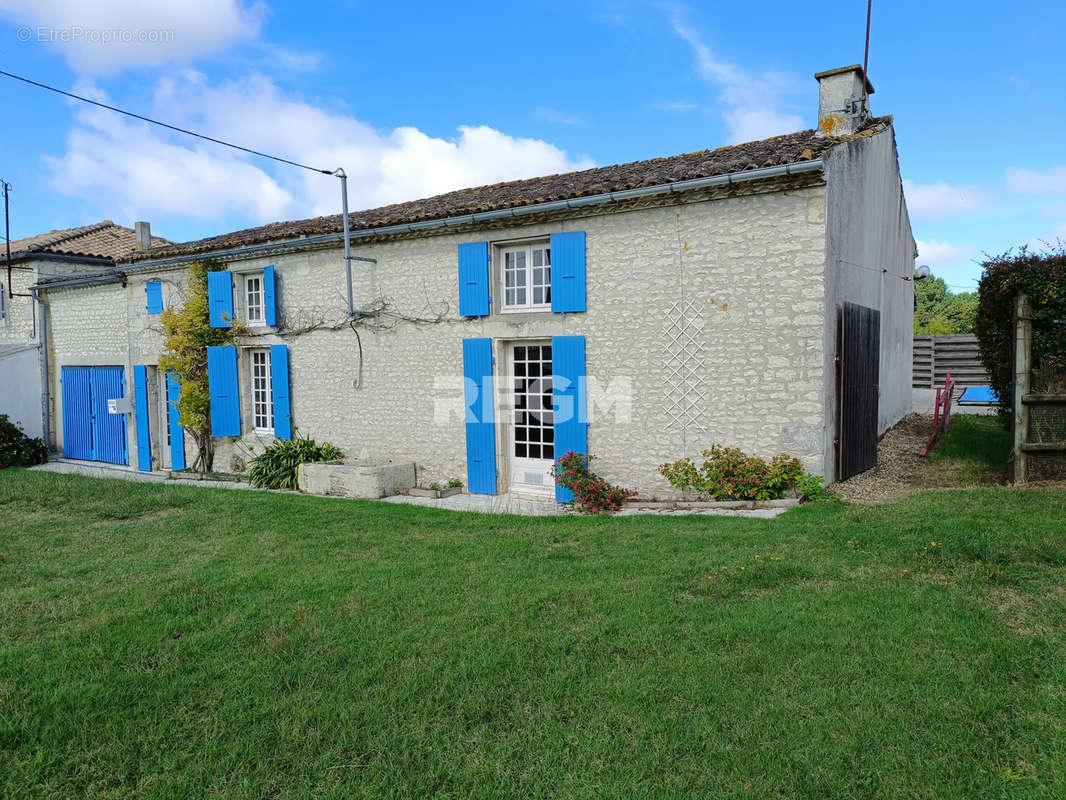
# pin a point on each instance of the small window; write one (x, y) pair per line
(3, 299)
(262, 392)
(527, 278)
(253, 298)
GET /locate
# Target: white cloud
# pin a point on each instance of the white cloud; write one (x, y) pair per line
(1029, 181)
(144, 171)
(955, 263)
(939, 255)
(938, 200)
(751, 103)
(104, 36)
(1051, 239)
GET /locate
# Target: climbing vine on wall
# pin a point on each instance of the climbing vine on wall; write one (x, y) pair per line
(187, 333)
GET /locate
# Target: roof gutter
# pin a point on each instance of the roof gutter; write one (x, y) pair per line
(115, 277)
(786, 170)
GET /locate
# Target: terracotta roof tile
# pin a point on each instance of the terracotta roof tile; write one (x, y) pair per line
(788, 149)
(101, 239)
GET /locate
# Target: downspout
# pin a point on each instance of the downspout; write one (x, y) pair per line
(46, 413)
(347, 237)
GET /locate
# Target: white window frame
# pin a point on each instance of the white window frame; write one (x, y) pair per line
(246, 292)
(529, 286)
(261, 384)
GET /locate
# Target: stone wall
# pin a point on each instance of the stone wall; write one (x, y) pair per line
(752, 266)
(17, 326)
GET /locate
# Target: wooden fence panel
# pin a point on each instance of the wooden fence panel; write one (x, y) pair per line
(936, 356)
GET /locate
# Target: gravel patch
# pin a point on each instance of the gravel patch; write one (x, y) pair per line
(900, 470)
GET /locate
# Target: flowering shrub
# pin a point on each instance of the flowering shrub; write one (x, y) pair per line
(591, 492)
(17, 449)
(728, 473)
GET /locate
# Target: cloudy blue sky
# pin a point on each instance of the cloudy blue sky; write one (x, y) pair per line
(416, 98)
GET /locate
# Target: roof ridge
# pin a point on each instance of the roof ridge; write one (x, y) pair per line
(67, 234)
(788, 148)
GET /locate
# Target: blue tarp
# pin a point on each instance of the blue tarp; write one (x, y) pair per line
(978, 394)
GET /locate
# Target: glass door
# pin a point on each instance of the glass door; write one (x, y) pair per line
(532, 432)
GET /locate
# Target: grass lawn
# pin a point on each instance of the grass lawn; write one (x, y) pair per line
(976, 444)
(168, 641)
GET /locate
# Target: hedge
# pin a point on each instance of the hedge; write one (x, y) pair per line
(1042, 276)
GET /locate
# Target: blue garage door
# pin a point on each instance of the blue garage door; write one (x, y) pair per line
(89, 432)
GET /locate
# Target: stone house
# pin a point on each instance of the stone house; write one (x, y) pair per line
(638, 312)
(68, 252)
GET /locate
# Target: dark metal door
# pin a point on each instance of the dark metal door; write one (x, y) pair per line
(858, 366)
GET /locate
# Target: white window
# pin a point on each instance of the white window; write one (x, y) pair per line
(527, 278)
(262, 392)
(253, 298)
(534, 419)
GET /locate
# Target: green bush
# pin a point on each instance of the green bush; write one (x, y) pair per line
(17, 449)
(1042, 276)
(728, 473)
(276, 467)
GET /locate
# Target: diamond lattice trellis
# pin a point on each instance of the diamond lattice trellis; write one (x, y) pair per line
(686, 389)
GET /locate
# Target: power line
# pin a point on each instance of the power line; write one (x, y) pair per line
(164, 124)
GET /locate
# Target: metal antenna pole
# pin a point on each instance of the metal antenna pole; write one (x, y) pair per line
(347, 238)
(866, 54)
(7, 236)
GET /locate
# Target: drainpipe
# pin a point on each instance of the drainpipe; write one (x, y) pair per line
(881, 312)
(46, 405)
(347, 237)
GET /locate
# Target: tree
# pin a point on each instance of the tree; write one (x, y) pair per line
(939, 310)
(187, 334)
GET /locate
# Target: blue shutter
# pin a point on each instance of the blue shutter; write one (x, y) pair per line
(177, 433)
(279, 382)
(220, 298)
(222, 387)
(569, 401)
(154, 292)
(109, 430)
(270, 297)
(480, 416)
(77, 413)
(140, 408)
(568, 271)
(474, 297)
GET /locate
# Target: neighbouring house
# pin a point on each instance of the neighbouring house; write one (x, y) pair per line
(757, 295)
(69, 253)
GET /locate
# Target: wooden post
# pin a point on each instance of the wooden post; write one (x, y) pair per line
(1023, 347)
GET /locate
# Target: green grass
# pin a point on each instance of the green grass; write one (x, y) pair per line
(168, 642)
(979, 440)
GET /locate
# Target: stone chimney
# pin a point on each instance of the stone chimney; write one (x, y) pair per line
(143, 235)
(843, 105)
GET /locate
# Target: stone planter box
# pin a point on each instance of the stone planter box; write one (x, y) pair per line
(670, 505)
(434, 493)
(368, 481)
